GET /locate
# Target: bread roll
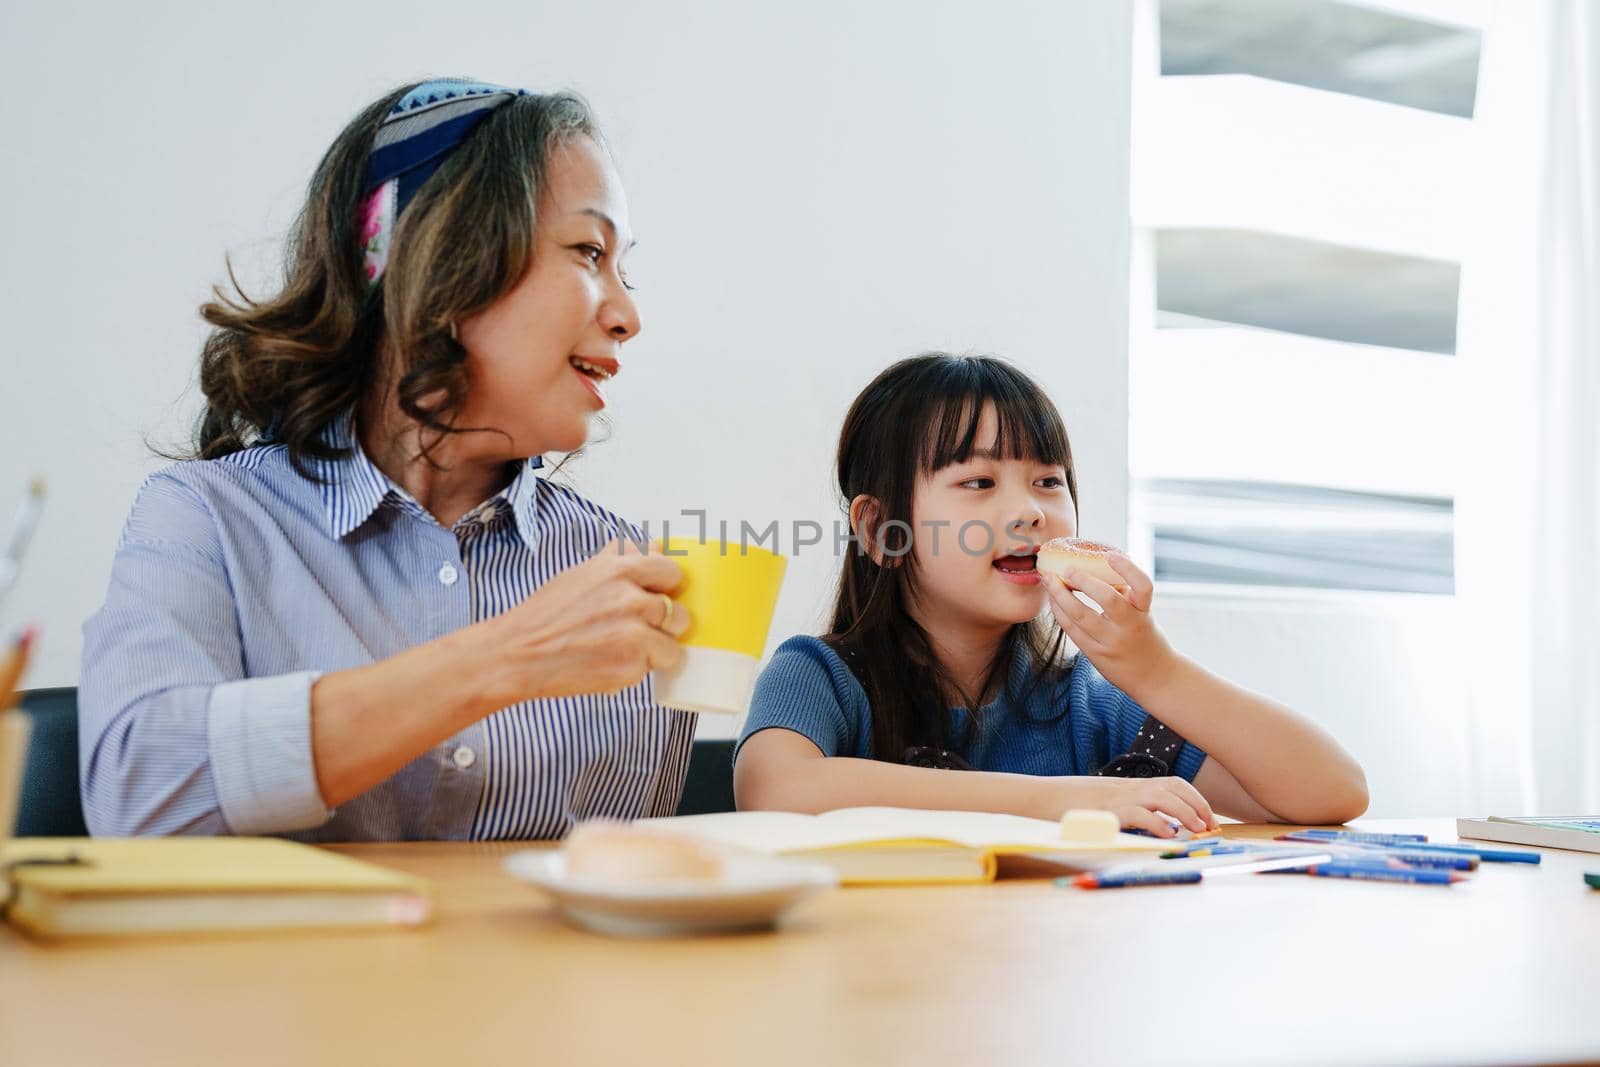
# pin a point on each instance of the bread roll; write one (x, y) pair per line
(1090, 825)
(1088, 557)
(616, 852)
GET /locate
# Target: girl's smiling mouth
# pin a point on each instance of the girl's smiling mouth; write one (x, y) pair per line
(1017, 568)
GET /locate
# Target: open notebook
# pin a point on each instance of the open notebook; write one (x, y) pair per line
(888, 846)
(114, 886)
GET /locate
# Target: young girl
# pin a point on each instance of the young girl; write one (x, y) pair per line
(942, 682)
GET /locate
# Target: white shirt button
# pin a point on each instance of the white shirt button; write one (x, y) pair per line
(464, 757)
(448, 575)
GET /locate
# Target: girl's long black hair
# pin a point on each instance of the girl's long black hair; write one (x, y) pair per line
(916, 418)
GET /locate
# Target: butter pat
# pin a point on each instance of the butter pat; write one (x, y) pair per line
(1090, 826)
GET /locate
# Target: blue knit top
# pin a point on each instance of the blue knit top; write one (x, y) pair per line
(808, 688)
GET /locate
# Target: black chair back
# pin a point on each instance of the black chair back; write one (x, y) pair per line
(50, 805)
(709, 786)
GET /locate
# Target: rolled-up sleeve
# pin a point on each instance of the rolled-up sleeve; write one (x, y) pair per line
(808, 689)
(173, 737)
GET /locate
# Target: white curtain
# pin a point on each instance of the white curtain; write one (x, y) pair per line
(1564, 663)
(1528, 503)
(1497, 407)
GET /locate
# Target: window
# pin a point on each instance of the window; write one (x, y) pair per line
(1344, 48)
(1300, 187)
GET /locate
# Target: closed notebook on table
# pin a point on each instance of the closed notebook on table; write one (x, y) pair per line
(96, 887)
(903, 846)
(1580, 833)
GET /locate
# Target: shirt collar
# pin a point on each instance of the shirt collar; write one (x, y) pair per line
(523, 495)
(520, 499)
(352, 486)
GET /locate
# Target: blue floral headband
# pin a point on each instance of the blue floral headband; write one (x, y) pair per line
(425, 126)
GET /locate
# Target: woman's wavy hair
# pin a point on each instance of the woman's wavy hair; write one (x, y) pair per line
(283, 368)
(916, 418)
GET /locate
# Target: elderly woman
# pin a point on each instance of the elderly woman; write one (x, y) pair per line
(357, 612)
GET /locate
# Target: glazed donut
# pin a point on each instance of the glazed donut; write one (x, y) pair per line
(608, 851)
(1088, 557)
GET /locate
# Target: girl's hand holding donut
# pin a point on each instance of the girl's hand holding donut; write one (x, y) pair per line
(1121, 639)
(598, 627)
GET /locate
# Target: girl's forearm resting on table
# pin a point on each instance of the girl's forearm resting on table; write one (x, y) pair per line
(782, 779)
(782, 770)
(1288, 765)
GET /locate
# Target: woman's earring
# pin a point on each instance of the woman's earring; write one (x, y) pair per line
(453, 336)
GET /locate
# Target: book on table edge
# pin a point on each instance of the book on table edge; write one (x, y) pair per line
(109, 887)
(1579, 833)
(903, 846)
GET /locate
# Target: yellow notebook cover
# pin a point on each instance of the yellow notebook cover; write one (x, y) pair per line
(114, 886)
(900, 846)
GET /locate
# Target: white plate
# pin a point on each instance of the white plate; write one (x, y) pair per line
(753, 893)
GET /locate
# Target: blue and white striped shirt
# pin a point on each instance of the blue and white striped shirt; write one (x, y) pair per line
(238, 582)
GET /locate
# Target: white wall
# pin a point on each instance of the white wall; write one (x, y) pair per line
(1386, 673)
(818, 189)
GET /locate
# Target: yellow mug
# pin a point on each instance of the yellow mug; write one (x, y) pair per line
(730, 591)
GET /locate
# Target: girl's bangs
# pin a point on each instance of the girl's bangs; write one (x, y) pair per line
(1027, 423)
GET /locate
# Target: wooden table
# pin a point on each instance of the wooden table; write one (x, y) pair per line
(1272, 970)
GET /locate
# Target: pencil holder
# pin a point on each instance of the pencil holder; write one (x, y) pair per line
(14, 729)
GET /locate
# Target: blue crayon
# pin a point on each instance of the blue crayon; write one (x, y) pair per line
(1208, 849)
(1487, 855)
(1205, 842)
(1410, 856)
(1407, 854)
(1132, 878)
(1450, 861)
(1368, 872)
(1353, 837)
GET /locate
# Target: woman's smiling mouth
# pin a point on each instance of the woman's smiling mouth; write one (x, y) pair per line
(594, 373)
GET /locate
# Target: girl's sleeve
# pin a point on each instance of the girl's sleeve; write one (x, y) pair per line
(808, 689)
(1106, 722)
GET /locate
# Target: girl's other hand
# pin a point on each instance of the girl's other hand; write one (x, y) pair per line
(1121, 639)
(1138, 803)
